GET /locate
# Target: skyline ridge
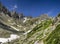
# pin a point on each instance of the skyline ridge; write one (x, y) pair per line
(33, 8)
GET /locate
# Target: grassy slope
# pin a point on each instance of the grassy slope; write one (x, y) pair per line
(39, 27)
(54, 37)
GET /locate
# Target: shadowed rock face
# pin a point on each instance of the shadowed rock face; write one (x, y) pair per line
(14, 15)
(5, 27)
(4, 10)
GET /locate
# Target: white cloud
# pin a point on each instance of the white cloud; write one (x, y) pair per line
(50, 12)
(15, 6)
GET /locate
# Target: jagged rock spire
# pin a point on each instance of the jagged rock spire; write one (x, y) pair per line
(59, 15)
(0, 6)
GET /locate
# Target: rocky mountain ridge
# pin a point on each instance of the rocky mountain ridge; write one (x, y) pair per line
(39, 30)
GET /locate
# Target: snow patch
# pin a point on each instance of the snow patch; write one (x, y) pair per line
(25, 19)
(12, 37)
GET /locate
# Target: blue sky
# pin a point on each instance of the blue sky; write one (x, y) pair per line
(33, 7)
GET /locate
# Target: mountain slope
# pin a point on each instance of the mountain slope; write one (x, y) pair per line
(39, 30)
(54, 37)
